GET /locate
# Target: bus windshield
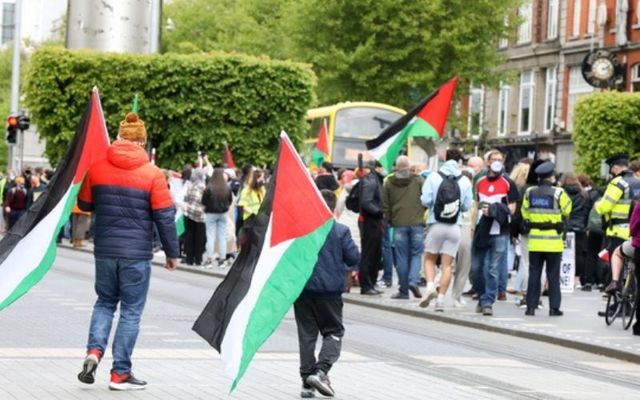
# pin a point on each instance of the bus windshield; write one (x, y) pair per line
(363, 122)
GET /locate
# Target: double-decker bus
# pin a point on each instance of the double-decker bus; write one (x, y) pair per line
(349, 125)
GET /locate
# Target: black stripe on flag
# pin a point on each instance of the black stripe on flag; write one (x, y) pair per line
(399, 124)
(212, 323)
(58, 185)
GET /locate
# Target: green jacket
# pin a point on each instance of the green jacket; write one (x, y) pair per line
(401, 200)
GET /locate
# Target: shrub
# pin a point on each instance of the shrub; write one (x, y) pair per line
(189, 103)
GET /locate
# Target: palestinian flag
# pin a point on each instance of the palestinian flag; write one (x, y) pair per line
(29, 249)
(427, 119)
(321, 152)
(274, 264)
(227, 157)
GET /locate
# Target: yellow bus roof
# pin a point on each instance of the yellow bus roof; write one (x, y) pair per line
(328, 110)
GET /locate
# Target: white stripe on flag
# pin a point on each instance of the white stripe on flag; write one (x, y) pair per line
(29, 252)
(381, 150)
(231, 350)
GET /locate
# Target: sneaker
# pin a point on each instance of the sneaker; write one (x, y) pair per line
(430, 295)
(89, 366)
(502, 296)
(487, 310)
(586, 288)
(400, 296)
(439, 306)
(126, 381)
(460, 303)
(307, 392)
(320, 381)
(613, 287)
(415, 291)
(521, 303)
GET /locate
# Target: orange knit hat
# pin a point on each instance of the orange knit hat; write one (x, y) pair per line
(132, 129)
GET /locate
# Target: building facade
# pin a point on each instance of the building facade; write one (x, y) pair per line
(532, 111)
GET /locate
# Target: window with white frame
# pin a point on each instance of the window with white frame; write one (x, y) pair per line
(476, 110)
(552, 19)
(635, 78)
(578, 87)
(524, 30)
(591, 20)
(504, 41)
(525, 112)
(577, 15)
(8, 22)
(551, 86)
(503, 109)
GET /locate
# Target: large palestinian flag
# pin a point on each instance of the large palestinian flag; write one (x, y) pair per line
(29, 249)
(427, 119)
(273, 266)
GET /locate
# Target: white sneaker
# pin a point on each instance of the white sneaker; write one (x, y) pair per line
(430, 295)
(440, 306)
(460, 303)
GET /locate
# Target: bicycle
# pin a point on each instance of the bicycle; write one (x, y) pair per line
(624, 302)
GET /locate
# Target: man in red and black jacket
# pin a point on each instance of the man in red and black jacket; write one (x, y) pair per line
(128, 196)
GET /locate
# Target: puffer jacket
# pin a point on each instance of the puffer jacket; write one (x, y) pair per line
(579, 211)
(128, 195)
(329, 274)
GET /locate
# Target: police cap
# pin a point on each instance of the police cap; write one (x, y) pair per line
(617, 159)
(545, 169)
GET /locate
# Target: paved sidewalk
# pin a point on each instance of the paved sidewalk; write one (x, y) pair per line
(580, 328)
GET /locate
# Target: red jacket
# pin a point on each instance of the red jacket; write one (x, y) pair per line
(128, 196)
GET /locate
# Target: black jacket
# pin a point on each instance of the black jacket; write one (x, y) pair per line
(580, 207)
(371, 196)
(214, 204)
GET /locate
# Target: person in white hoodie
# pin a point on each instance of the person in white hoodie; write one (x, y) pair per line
(445, 218)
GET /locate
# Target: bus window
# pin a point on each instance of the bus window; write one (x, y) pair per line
(363, 122)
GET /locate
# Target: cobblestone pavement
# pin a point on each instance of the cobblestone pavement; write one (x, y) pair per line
(386, 355)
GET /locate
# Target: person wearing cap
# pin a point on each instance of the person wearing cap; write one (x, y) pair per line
(371, 228)
(615, 207)
(544, 207)
(128, 196)
(496, 197)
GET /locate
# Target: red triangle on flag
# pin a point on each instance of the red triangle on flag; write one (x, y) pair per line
(437, 109)
(323, 138)
(227, 157)
(298, 208)
(96, 141)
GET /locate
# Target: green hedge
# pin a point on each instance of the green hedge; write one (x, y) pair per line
(604, 124)
(189, 103)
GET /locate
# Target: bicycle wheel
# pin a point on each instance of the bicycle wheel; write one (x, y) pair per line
(613, 308)
(630, 302)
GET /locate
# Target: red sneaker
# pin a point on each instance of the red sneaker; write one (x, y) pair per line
(126, 381)
(89, 366)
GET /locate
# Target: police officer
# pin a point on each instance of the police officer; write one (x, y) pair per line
(543, 209)
(614, 206)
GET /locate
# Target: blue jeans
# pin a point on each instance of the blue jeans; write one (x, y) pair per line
(409, 246)
(503, 272)
(387, 253)
(485, 266)
(125, 282)
(216, 227)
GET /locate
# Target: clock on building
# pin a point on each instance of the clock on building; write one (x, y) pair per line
(601, 69)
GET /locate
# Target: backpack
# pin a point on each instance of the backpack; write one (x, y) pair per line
(447, 206)
(353, 198)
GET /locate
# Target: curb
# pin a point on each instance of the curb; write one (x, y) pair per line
(586, 347)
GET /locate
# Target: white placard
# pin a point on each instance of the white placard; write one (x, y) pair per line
(568, 264)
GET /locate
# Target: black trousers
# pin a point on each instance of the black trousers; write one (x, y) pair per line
(195, 238)
(537, 260)
(581, 256)
(594, 245)
(323, 316)
(371, 231)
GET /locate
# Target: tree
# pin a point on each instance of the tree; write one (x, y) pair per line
(378, 50)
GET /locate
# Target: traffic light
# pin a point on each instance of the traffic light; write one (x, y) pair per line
(12, 129)
(23, 122)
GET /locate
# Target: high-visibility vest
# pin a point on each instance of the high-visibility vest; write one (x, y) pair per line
(544, 207)
(615, 204)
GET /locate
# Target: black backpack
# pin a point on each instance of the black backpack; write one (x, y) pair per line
(447, 206)
(353, 198)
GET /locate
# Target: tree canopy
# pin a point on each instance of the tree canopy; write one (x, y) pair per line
(377, 50)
